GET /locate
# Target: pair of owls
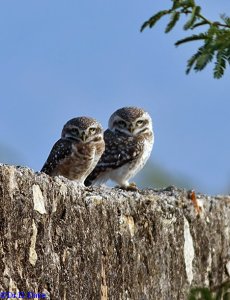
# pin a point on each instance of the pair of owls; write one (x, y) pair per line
(88, 156)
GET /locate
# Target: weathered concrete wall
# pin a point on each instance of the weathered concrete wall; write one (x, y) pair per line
(98, 243)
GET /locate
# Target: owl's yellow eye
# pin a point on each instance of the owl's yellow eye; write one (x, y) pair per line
(139, 123)
(92, 130)
(122, 124)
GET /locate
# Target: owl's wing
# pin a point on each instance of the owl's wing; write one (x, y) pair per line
(61, 149)
(119, 150)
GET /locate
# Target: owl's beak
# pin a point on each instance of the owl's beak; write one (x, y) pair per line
(131, 128)
(83, 136)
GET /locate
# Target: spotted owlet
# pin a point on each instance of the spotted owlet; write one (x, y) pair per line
(76, 154)
(128, 145)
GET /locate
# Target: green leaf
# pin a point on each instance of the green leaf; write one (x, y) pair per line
(152, 21)
(191, 62)
(176, 4)
(214, 30)
(188, 3)
(174, 18)
(194, 37)
(200, 293)
(202, 60)
(220, 64)
(226, 296)
(201, 23)
(227, 54)
(194, 15)
(225, 18)
(223, 291)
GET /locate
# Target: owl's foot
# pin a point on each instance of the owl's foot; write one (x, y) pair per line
(130, 187)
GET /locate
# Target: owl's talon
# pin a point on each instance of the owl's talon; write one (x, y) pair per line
(131, 187)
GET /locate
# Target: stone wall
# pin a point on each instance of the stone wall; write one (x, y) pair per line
(67, 242)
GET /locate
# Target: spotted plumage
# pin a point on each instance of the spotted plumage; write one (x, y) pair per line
(128, 144)
(76, 154)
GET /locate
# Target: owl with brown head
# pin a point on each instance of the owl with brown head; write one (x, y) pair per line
(128, 145)
(78, 151)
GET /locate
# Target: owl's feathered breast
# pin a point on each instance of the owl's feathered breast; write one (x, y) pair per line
(69, 159)
(119, 151)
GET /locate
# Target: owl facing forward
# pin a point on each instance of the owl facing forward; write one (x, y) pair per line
(128, 145)
(76, 154)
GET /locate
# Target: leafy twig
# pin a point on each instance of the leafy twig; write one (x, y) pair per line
(216, 40)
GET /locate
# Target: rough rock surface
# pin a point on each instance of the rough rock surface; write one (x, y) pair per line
(69, 242)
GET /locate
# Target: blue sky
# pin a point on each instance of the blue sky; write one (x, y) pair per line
(62, 59)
